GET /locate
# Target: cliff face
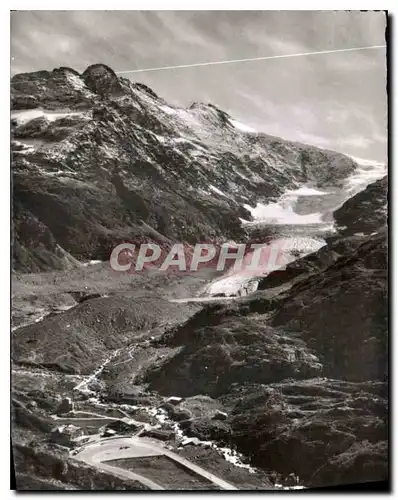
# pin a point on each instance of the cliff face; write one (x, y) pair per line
(365, 212)
(97, 159)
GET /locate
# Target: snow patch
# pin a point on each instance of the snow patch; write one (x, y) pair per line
(92, 263)
(244, 281)
(231, 286)
(77, 83)
(25, 115)
(40, 318)
(57, 173)
(160, 138)
(218, 191)
(280, 214)
(306, 191)
(169, 110)
(368, 171)
(180, 139)
(27, 148)
(289, 487)
(282, 211)
(242, 127)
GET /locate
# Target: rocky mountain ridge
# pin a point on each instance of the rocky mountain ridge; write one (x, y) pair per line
(98, 160)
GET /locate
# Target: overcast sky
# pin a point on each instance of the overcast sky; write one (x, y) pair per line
(336, 101)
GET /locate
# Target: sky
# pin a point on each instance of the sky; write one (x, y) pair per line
(335, 101)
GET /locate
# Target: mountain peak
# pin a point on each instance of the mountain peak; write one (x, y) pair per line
(101, 79)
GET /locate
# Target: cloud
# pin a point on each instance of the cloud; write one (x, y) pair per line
(356, 141)
(336, 100)
(337, 115)
(316, 140)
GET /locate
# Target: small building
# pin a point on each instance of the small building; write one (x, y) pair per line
(220, 415)
(66, 435)
(65, 406)
(174, 400)
(191, 441)
(108, 432)
(123, 426)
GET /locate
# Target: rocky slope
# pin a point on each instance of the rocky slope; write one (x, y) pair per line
(79, 339)
(302, 376)
(365, 212)
(98, 159)
(301, 373)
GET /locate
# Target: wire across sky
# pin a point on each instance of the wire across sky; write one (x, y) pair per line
(251, 59)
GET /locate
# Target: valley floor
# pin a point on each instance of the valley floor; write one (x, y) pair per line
(38, 297)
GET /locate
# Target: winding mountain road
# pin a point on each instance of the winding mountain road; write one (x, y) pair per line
(97, 452)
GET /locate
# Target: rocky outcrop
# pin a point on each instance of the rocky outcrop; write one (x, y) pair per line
(316, 327)
(342, 312)
(364, 459)
(312, 263)
(35, 248)
(50, 89)
(365, 212)
(102, 80)
(239, 349)
(313, 428)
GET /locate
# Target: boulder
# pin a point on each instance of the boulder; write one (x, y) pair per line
(102, 80)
